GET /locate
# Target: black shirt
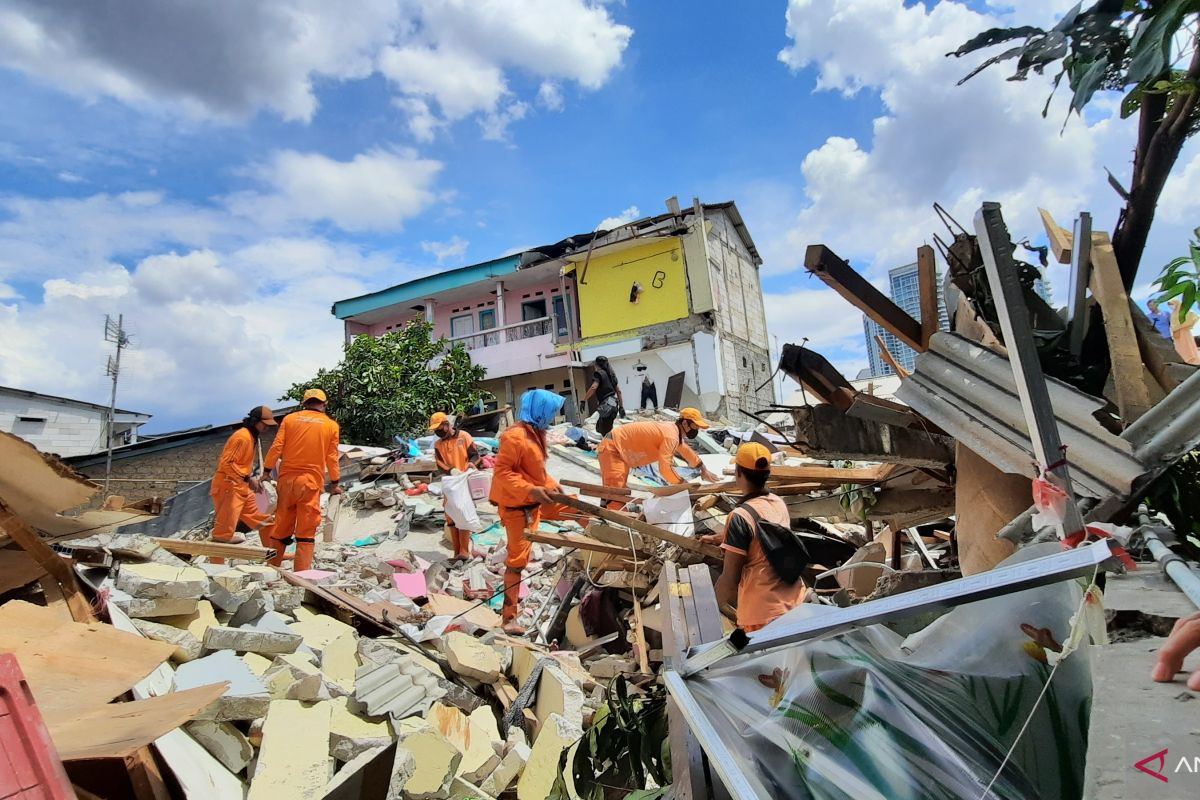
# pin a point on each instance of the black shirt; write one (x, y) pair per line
(606, 388)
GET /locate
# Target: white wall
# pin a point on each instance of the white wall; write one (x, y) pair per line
(661, 363)
(67, 429)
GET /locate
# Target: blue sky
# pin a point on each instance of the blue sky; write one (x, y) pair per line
(221, 176)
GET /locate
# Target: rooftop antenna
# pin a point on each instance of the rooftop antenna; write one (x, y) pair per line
(114, 331)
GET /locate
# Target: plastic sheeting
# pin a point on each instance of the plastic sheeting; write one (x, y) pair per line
(873, 714)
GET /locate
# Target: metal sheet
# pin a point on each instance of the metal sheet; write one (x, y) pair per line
(969, 392)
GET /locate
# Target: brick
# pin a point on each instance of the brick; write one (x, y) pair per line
(224, 741)
(537, 778)
(472, 658)
(150, 580)
(293, 762)
(249, 640)
(350, 735)
(187, 647)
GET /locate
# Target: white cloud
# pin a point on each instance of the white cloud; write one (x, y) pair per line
(377, 190)
(550, 96)
(628, 215)
(229, 61)
(423, 123)
(66, 176)
(807, 313)
(7, 292)
(495, 126)
(1179, 202)
(455, 248)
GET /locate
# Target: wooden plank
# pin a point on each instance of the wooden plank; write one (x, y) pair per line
(382, 617)
(1060, 238)
(653, 531)
(621, 537)
(188, 547)
(639, 638)
(578, 541)
(626, 492)
(1158, 352)
(1133, 396)
(705, 595)
(927, 283)
(890, 359)
(145, 777)
(687, 759)
(56, 566)
(842, 278)
(55, 601)
(888, 504)
(17, 569)
(830, 476)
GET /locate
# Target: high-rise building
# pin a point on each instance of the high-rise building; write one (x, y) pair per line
(1044, 290)
(904, 288)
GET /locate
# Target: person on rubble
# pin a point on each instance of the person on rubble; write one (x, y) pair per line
(234, 484)
(307, 444)
(747, 576)
(520, 490)
(607, 392)
(453, 450)
(640, 444)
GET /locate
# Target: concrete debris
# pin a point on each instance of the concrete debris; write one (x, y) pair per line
(351, 735)
(247, 696)
(224, 741)
(294, 677)
(187, 646)
(254, 606)
(508, 771)
(436, 760)
(231, 580)
(293, 762)
(260, 573)
(286, 598)
(541, 768)
(476, 737)
(339, 661)
(558, 695)
(472, 658)
(153, 607)
(318, 630)
(152, 581)
(249, 640)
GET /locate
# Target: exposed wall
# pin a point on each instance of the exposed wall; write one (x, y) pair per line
(62, 428)
(604, 292)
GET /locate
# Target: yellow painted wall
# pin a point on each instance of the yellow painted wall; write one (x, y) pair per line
(604, 305)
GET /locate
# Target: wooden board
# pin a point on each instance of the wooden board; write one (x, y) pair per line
(653, 531)
(187, 547)
(927, 284)
(578, 541)
(705, 596)
(830, 476)
(379, 615)
(986, 499)
(482, 616)
(56, 566)
(843, 279)
(117, 730)
(1133, 396)
(17, 569)
(52, 593)
(889, 358)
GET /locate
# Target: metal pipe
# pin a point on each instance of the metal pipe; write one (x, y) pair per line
(1176, 568)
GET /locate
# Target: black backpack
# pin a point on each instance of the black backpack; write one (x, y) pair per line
(784, 550)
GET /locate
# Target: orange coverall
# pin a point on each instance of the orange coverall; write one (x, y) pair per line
(640, 444)
(308, 444)
(232, 498)
(520, 466)
(452, 453)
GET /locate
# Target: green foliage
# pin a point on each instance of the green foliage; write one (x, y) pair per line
(385, 386)
(1181, 276)
(625, 748)
(1176, 493)
(1115, 44)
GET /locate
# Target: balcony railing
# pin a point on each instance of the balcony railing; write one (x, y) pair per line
(509, 333)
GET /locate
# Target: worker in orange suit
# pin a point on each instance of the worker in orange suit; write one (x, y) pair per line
(453, 450)
(640, 444)
(307, 444)
(520, 490)
(234, 484)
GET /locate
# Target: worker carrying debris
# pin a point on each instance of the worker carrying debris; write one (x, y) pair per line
(234, 484)
(640, 444)
(453, 450)
(758, 545)
(519, 489)
(607, 392)
(307, 443)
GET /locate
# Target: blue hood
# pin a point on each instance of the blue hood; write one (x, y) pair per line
(539, 407)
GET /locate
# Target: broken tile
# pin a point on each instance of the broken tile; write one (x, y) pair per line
(541, 770)
(436, 760)
(398, 688)
(224, 741)
(558, 694)
(260, 573)
(250, 640)
(253, 607)
(293, 762)
(411, 584)
(472, 658)
(318, 630)
(246, 697)
(339, 661)
(293, 677)
(149, 580)
(187, 647)
(351, 735)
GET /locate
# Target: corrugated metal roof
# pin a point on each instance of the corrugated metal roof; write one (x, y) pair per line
(399, 688)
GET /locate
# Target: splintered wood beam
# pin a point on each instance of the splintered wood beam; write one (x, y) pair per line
(187, 547)
(842, 278)
(927, 283)
(579, 542)
(1060, 238)
(1133, 396)
(830, 476)
(891, 359)
(824, 432)
(56, 566)
(653, 531)
(892, 503)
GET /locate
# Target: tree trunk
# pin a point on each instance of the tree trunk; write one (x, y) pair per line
(1160, 140)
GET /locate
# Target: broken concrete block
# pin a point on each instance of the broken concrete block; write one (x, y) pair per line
(274, 622)
(339, 661)
(226, 743)
(523, 661)
(258, 664)
(231, 580)
(472, 738)
(351, 735)
(250, 640)
(195, 623)
(436, 760)
(228, 601)
(611, 666)
(260, 573)
(293, 760)
(187, 647)
(150, 580)
(246, 697)
(365, 775)
(153, 607)
(257, 604)
(509, 770)
(369, 567)
(404, 766)
(399, 688)
(293, 677)
(287, 598)
(556, 735)
(558, 694)
(472, 658)
(318, 630)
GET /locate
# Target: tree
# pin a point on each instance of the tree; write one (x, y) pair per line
(1134, 46)
(385, 386)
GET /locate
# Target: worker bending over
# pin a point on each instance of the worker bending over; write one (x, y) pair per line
(520, 487)
(307, 443)
(640, 444)
(747, 575)
(234, 484)
(453, 450)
